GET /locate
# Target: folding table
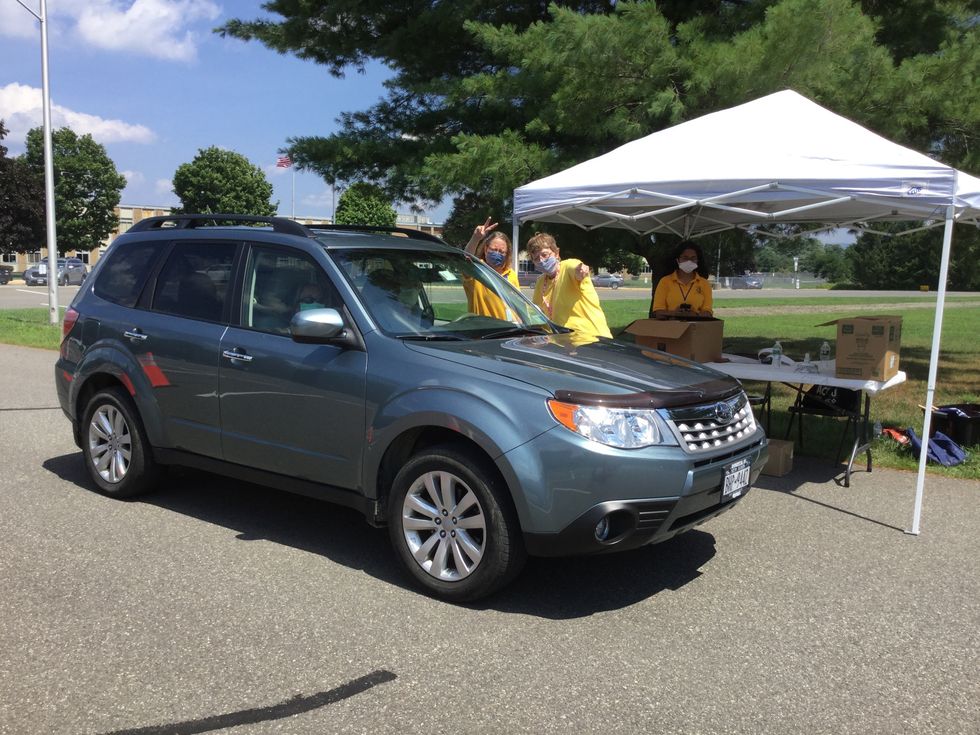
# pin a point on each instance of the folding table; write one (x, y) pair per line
(744, 368)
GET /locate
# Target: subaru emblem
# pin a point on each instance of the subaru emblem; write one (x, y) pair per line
(724, 412)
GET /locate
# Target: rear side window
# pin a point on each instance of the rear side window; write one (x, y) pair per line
(194, 282)
(124, 273)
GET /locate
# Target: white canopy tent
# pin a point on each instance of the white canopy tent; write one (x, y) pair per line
(781, 159)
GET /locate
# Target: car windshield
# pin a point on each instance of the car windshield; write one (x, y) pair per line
(438, 295)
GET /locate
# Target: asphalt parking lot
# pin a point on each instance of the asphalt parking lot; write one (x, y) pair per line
(214, 606)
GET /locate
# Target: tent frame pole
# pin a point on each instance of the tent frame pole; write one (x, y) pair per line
(937, 329)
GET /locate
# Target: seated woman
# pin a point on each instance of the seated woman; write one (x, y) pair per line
(685, 291)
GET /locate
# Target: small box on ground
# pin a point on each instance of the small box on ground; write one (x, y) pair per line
(698, 340)
(780, 458)
(867, 347)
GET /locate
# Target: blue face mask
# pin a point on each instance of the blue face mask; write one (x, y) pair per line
(547, 266)
(496, 258)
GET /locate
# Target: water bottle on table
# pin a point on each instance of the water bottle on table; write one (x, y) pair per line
(777, 354)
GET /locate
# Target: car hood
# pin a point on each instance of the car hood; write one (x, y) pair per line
(604, 370)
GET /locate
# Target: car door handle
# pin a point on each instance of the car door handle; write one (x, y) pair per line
(134, 335)
(235, 355)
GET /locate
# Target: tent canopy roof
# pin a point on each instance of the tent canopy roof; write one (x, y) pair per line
(778, 159)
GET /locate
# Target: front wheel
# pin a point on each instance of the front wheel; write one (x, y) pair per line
(115, 448)
(452, 525)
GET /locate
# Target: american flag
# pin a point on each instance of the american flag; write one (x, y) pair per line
(284, 162)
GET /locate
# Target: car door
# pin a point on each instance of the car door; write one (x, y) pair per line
(287, 407)
(176, 340)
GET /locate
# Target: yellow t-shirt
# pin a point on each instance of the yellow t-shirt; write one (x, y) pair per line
(671, 293)
(481, 300)
(570, 302)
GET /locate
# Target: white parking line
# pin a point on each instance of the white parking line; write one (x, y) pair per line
(33, 293)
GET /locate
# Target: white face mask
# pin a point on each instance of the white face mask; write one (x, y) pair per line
(688, 266)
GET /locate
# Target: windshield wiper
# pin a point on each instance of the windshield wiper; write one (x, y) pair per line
(513, 332)
(430, 337)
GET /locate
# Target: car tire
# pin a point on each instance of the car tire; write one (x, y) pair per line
(459, 556)
(614, 285)
(117, 454)
(64, 280)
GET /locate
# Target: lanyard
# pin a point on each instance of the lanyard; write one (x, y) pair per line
(689, 288)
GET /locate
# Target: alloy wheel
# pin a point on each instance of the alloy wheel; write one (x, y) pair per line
(444, 526)
(110, 443)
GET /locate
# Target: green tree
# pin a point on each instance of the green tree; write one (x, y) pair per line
(913, 260)
(365, 204)
(21, 203)
(219, 180)
(829, 262)
(513, 93)
(87, 187)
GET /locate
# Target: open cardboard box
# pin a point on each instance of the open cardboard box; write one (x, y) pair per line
(698, 340)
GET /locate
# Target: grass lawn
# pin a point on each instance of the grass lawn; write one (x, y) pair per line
(959, 368)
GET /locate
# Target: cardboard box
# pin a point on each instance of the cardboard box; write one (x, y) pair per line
(868, 347)
(780, 458)
(696, 340)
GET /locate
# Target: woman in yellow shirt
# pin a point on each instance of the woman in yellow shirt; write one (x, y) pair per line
(685, 292)
(494, 249)
(565, 292)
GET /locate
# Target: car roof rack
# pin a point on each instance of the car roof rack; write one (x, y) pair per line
(407, 231)
(191, 221)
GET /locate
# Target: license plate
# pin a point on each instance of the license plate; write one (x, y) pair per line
(736, 480)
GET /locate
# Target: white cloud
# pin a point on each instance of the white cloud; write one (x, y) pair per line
(164, 29)
(21, 109)
(17, 22)
(320, 199)
(164, 187)
(151, 27)
(133, 177)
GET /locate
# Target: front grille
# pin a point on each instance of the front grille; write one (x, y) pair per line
(714, 425)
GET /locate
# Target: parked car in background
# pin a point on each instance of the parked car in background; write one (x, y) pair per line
(352, 368)
(6, 273)
(527, 278)
(747, 282)
(71, 271)
(608, 280)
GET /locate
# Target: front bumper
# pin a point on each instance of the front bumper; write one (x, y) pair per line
(649, 495)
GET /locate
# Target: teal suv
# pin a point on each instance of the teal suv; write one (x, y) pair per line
(391, 373)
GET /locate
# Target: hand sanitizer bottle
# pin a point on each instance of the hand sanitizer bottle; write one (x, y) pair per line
(825, 351)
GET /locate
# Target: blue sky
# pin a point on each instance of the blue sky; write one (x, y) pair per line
(151, 82)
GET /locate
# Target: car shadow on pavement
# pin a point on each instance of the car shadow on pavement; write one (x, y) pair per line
(551, 588)
(811, 471)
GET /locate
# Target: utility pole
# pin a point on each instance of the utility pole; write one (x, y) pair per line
(52, 239)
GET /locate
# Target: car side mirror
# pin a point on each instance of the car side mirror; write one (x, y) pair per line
(317, 325)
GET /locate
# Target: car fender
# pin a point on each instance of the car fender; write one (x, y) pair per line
(481, 421)
(107, 358)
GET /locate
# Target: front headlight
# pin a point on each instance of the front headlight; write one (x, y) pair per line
(626, 428)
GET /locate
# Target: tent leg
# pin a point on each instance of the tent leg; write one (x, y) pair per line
(516, 249)
(933, 370)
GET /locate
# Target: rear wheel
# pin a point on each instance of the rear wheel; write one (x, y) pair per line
(114, 445)
(453, 527)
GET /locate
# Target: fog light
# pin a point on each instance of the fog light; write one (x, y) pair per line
(602, 529)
